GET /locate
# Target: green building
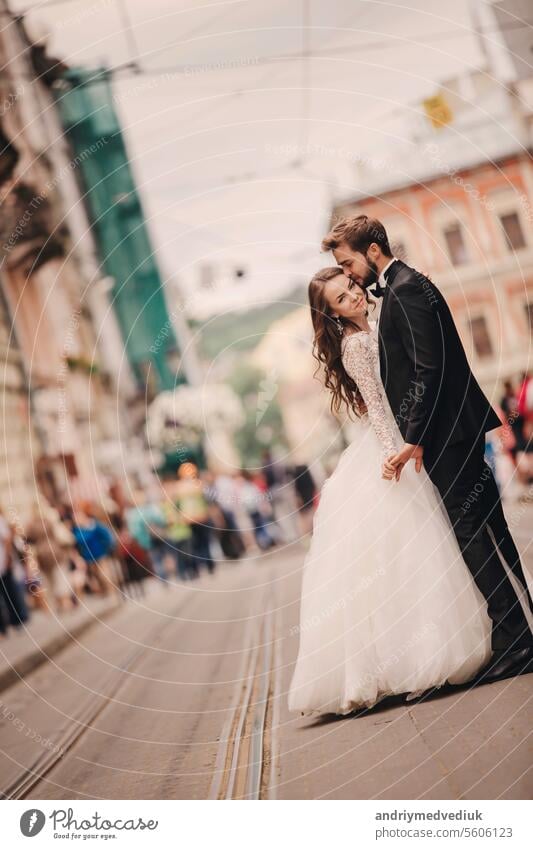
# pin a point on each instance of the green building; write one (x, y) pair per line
(88, 115)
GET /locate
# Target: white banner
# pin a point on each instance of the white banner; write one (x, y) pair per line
(306, 824)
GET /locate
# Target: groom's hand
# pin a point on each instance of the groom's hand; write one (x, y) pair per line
(408, 452)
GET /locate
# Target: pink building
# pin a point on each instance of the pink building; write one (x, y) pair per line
(471, 232)
(453, 183)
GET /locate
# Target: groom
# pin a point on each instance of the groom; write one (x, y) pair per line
(442, 415)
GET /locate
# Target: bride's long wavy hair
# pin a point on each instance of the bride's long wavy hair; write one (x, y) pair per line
(327, 345)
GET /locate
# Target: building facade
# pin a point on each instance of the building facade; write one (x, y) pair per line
(18, 443)
(472, 234)
(46, 285)
(455, 192)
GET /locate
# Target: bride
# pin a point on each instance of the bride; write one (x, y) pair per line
(388, 605)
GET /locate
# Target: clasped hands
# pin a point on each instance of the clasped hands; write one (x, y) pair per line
(392, 467)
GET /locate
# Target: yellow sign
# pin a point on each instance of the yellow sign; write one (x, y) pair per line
(438, 110)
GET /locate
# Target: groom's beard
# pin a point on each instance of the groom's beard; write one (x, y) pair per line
(372, 274)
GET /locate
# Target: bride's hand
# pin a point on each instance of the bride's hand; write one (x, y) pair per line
(398, 472)
(389, 471)
(408, 452)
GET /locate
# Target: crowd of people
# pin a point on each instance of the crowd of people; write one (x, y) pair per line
(197, 519)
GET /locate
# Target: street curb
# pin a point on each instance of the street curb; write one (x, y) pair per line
(38, 656)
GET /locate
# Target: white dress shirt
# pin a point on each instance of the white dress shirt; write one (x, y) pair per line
(381, 278)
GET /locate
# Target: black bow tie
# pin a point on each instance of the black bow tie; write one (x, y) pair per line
(378, 291)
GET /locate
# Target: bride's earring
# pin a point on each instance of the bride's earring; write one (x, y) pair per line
(340, 327)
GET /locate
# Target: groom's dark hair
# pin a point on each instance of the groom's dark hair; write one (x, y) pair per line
(358, 233)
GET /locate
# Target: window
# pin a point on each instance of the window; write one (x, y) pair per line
(512, 229)
(480, 336)
(455, 244)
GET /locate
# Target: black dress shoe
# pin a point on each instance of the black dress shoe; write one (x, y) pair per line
(506, 665)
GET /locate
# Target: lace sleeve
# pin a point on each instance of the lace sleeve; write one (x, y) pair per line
(357, 360)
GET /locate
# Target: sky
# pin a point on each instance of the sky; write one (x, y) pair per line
(239, 145)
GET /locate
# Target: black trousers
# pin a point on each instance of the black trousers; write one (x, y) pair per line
(471, 498)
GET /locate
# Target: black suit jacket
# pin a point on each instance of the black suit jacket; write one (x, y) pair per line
(434, 396)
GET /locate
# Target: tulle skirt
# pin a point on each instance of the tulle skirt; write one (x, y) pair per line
(388, 605)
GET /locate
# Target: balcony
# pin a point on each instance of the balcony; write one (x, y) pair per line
(26, 226)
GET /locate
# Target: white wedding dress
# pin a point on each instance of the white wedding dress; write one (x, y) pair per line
(388, 605)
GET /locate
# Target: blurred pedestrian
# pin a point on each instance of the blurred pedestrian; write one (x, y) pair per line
(146, 524)
(178, 535)
(514, 420)
(524, 458)
(134, 559)
(221, 495)
(95, 544)
(189, 498)
(271, 470)
(525, 403)
(252, 499)
(306, 496)
(285, 506)
(4, 544)
(16, 579)
(13, 609)
(50, 541)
